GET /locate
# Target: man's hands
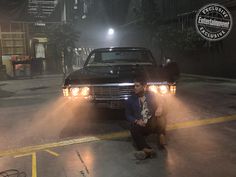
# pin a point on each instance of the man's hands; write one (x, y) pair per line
(140, 122)
(158, 113)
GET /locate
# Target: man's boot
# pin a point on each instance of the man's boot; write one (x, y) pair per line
(149, 152)
(145, 153)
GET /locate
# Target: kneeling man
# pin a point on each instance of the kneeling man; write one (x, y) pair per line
(145, 112)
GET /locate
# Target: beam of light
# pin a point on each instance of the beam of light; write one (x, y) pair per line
(46, 123)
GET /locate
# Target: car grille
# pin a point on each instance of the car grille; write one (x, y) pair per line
(112, 92)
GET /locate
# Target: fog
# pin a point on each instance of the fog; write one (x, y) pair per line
(64, 119)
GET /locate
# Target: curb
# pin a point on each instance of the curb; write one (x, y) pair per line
(207, 77)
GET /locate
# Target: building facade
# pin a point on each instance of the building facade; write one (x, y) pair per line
(211, 58)
(13, 43)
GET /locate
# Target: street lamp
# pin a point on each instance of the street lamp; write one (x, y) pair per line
(110, 31)
(110, 37)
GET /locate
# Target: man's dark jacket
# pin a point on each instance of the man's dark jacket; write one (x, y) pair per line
(133, 108)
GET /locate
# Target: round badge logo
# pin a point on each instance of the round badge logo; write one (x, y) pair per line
(213, 22)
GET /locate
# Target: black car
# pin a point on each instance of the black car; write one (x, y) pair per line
(107, 76)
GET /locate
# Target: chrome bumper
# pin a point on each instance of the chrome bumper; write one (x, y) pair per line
(111, 95)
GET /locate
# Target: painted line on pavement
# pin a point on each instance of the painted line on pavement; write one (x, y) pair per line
(123, 134)
(52, 152)
(34, 162)
(201, 122)
(34, 165)
(22, 155)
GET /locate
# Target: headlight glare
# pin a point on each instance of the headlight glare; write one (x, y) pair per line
(75, 91)
(85, 91)
(163, 89)
(153, 88)
(173, 89)
(65, 92)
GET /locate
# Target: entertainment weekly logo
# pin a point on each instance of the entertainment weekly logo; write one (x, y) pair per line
(213, 22)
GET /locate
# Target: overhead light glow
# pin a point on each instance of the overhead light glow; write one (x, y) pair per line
(110, 31)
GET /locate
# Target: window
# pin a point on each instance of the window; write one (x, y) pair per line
(5, 27)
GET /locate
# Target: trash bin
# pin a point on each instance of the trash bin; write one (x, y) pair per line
(27, 70)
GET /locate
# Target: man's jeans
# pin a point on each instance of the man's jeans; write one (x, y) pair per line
(154, 125)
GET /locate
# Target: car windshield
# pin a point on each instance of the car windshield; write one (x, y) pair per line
(120, 58)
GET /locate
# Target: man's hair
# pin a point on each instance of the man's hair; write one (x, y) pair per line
(140, 79)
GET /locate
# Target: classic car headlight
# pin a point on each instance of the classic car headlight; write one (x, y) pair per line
(173, 89)
(66, 92)
(163, 89)
(85, 91)
(153, 88)
(75, 91)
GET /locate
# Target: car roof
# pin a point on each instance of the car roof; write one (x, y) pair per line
(119, 48)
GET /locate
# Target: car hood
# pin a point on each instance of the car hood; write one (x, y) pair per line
(112, 74)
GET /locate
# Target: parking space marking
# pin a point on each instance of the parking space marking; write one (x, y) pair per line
(22, 155)
(30, 149)
(34, 165)
(123, 134)
(34, 162)
(52, 152)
